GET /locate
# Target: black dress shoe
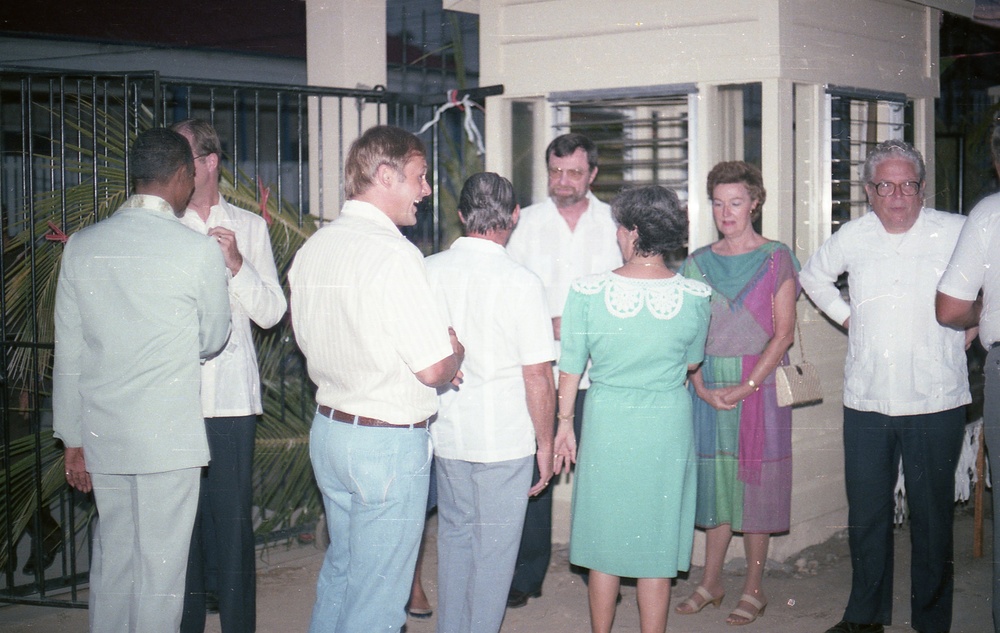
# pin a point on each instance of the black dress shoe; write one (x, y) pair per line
(853, 627)
(517, 598)
(51, 547)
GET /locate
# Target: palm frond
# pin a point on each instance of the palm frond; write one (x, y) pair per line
(95, 161)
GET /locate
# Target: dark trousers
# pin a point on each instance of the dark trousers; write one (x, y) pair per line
(929, 445)
(991, 429)
(221, 559)
(536, 537)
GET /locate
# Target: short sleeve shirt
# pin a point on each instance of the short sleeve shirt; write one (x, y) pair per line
(498, 310)
(365, 317)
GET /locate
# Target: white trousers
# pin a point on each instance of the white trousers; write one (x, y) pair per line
(140, 550)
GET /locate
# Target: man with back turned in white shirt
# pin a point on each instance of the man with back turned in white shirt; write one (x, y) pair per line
(498, 424)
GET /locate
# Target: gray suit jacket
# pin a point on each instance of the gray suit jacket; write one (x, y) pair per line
(140, 300)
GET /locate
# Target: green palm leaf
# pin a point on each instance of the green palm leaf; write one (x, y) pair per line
(93, 167)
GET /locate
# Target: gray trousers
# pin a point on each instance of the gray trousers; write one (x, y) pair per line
(991, 430)
(480, 516)
(141, 550)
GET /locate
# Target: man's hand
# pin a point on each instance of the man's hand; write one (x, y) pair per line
(230, 251)
(459, 350)
(543, 457)
(76, 469)
(970, 335)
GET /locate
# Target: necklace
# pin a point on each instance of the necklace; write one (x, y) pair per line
(646, 264)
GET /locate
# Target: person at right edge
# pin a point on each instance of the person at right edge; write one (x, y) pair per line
(743, 438)
(906, 385)
(975, 266)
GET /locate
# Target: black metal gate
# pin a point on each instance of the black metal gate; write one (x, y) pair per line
(63, 145)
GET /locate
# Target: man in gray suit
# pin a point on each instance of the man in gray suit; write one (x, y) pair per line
(140, 300)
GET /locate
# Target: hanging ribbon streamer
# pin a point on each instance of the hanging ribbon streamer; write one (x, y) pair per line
(265, 192)
(56, 234)
(471, 130)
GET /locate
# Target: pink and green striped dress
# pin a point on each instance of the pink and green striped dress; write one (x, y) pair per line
(744, 455)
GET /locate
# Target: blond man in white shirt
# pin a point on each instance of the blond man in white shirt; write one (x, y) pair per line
(377, 346)
(905, 387)
(230, 398)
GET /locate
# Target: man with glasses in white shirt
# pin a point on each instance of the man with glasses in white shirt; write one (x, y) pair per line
(222, 561)
(905, 388)
(568, 235)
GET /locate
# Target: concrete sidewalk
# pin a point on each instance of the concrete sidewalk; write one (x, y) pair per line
(806, 595)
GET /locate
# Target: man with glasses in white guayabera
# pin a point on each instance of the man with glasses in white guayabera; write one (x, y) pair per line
(905, 388)
(568, 235)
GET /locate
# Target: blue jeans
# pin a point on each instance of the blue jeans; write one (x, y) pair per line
(374, 483)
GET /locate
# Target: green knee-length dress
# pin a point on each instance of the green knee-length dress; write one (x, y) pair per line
(635, 480)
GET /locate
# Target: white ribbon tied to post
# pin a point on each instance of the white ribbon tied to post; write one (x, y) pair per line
(471, 130)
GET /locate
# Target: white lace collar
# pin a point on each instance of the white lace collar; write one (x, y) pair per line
(624, 297)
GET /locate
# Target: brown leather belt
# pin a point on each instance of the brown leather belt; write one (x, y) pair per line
(360, 420)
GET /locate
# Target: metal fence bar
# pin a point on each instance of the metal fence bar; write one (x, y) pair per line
(61, 115)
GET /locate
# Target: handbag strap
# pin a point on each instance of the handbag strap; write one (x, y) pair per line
(774, 324)
(798, 338)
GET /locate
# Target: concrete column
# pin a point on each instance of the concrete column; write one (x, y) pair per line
(778, 158)
(345, 48)
(812, 212)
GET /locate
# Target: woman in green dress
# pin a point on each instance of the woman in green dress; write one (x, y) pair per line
(643, 328)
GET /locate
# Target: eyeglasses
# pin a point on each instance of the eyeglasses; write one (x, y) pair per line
(572, 174)
(886, 188)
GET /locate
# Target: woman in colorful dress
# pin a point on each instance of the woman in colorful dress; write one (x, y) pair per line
(743, 439)
(643, 328)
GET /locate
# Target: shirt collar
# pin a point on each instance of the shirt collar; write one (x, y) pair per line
(150, 203)
(193, 220)
(369, 212)
(591, 199)
(478, 244)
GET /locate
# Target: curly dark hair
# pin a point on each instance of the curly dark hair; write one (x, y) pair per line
(738, 171)
(656, 214)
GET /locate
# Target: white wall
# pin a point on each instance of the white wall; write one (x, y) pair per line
(794, 48)
(345, 48)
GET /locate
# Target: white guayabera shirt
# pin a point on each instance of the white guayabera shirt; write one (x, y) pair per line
(900, 360)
